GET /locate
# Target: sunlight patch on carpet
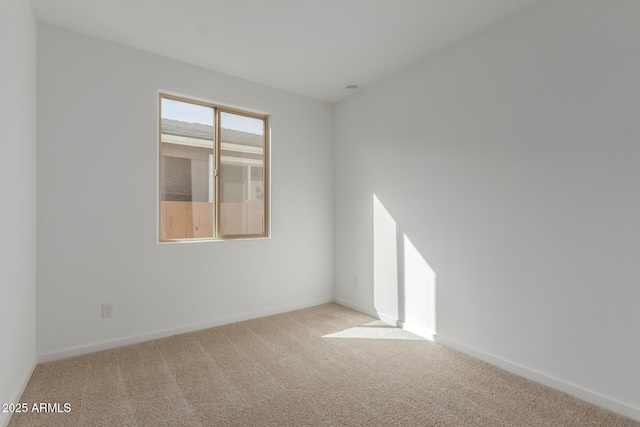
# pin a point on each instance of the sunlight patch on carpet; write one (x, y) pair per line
(376, 330)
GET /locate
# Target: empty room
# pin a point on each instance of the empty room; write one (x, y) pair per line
(305, 212)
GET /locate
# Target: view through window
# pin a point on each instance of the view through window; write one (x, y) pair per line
(213, 171)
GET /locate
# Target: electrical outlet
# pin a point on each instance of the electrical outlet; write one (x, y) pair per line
(107, 309)
(355, 281)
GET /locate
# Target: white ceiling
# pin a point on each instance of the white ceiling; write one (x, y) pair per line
(310, 47)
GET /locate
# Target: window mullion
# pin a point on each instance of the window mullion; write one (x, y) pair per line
(216, 175)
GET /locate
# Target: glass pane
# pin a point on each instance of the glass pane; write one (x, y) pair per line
(186, 170)
(242, 177)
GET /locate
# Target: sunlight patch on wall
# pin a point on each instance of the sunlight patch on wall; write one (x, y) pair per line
(385, 262)
(419, 292)
(404, 284)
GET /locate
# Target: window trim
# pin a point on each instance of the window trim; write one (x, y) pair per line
(217, 155)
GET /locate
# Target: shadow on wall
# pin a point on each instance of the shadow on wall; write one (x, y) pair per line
(404, 282)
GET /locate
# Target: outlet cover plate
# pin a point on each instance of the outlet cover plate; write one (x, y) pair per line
(107, 310)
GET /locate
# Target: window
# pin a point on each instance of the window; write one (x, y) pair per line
(213, 171)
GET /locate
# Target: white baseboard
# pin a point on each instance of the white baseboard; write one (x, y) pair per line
(356, 307)
(539, 377)
(419, 330)
(413, 328)
(5, 417)
(388, 320)
(135, 339)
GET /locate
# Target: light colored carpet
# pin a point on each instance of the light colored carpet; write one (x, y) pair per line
(323, 366)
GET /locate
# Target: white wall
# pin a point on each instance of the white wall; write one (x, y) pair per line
(97, 203)
(18, 207)
(511, 160)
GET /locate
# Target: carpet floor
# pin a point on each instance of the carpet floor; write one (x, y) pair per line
(322, 366)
